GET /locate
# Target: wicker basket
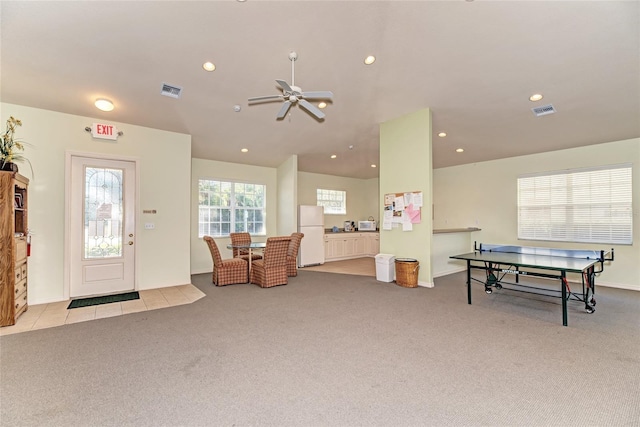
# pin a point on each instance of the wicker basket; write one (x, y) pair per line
(407, 272)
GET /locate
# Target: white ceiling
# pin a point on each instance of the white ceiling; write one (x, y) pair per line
(475, 64)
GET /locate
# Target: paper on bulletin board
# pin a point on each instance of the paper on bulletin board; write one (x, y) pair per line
(415, 199)
(406, 222)
(398, 204)
(387, 218)
(402, 209)
(413, 215)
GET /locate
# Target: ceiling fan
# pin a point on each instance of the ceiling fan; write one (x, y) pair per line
(292, 94)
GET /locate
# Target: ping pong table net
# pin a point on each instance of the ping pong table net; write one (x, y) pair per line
(599, 255)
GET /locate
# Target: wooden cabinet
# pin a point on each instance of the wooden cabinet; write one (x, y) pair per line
(373, 244)
(340, 246)
(13, 246)
(333, 248)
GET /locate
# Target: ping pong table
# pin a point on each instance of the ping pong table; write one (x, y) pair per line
(500, 261)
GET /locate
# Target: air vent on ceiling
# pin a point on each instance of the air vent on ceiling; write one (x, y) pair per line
(544, 110)
(172, 91)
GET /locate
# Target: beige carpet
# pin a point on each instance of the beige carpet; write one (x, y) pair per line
(333, 350)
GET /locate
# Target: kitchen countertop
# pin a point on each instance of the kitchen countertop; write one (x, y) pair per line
(455, 230)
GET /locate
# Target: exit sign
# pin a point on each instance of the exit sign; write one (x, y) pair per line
(104, 131)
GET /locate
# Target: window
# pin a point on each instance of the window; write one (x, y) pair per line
(229, 207)
(334, 201)
(578, 205)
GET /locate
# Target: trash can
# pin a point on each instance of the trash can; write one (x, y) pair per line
(407, 272)
(384, 270)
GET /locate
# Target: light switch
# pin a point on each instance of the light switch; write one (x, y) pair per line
(149, 226)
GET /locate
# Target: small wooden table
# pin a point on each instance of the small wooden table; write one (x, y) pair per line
(250, 247)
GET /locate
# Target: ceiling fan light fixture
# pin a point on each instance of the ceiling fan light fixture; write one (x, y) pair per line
(322, 104)
(294, 95)
(369, 60)
(104, 104)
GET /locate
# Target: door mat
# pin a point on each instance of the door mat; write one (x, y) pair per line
(107, 299)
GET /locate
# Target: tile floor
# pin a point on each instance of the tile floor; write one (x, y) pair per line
(56, 314)
(359, 266)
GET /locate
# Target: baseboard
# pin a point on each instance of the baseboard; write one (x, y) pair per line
(617, 286)
(425, 284)
(448, 272)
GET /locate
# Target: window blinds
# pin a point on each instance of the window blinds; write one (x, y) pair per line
(577, 205)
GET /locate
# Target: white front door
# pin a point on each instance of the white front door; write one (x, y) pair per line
(102, 225)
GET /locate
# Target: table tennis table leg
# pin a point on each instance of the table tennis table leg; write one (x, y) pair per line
(588, 294)
(469, 281)
(564, 298)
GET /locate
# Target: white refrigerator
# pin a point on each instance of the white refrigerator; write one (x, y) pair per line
(311, 223)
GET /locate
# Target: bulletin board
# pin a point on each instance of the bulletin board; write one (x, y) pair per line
(402, 210)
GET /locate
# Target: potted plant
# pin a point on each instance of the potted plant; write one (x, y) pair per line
(10, 147)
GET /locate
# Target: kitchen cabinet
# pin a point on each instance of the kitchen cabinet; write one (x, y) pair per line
(13, 240)
(339, 246)
(372, 247)
(333, 248)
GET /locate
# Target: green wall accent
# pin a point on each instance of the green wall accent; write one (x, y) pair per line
(406, 166)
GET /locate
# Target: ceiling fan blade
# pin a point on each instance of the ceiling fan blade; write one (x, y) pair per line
(284, 85)
(266, 98)
(283, 111)
(311, 108)
(325, 94)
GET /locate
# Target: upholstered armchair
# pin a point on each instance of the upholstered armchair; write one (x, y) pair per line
(271, 270)
(227, 271)
(292, 254)
(242, 239)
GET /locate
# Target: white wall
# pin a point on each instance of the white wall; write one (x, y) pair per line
(446, 244)
(485, 195)
(288, 196)
(164, 160)
(406, 166)
(362, 196)
(201, 261)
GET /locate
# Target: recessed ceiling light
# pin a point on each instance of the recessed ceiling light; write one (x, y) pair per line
(370, 60)
(442, 134)
(333, 156)
(322, 104)
(209, 66)
(237, 108)
(535, 97)
(374, 166)
(244, 150)
(104, 104)
(459, 150)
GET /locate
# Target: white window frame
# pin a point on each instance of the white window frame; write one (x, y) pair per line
(333, 201)
(586, 205)
(226, 222)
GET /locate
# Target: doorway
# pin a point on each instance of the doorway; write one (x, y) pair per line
(101, 218)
